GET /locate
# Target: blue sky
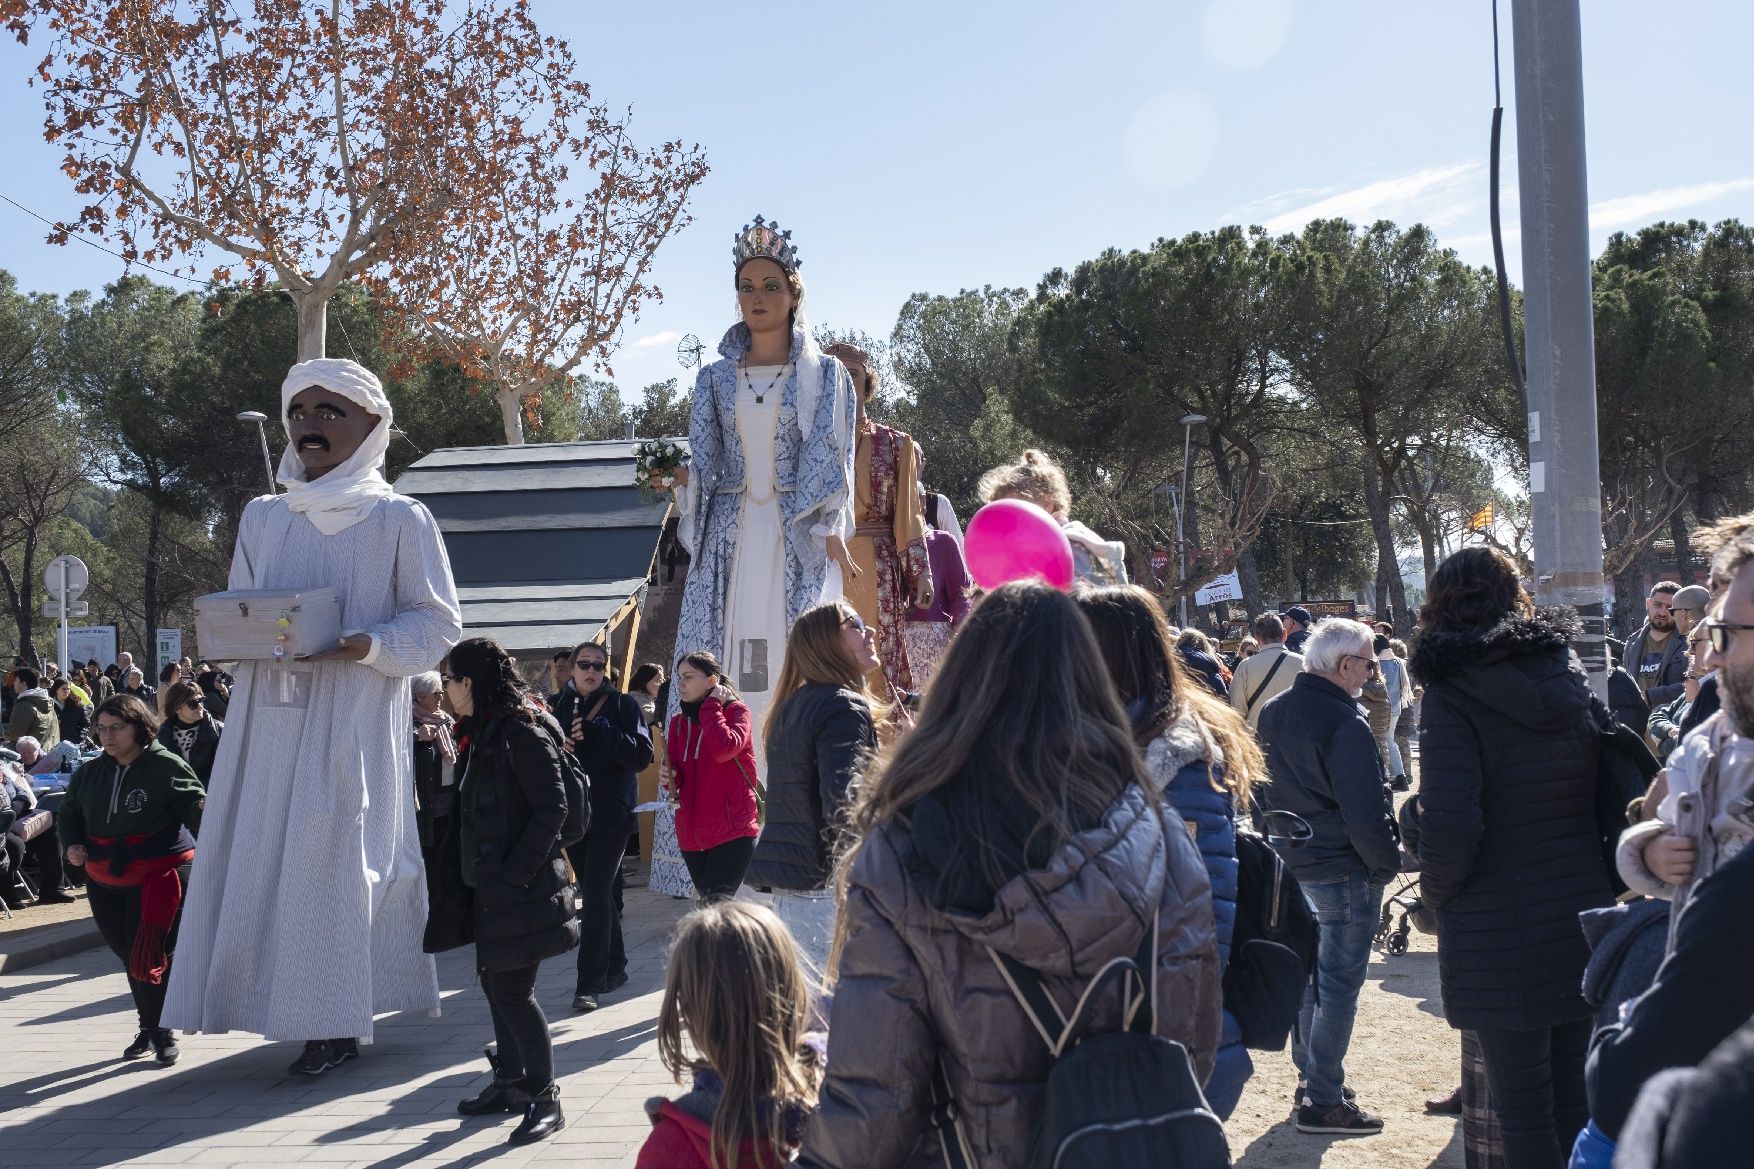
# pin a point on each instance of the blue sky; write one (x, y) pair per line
(939, 146)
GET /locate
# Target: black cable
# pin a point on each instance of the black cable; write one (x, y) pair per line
(89, 242)
(1511, 358)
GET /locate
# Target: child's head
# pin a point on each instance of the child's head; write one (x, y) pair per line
(737, 986)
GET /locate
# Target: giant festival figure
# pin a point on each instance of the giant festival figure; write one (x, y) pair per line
(305, 913)
(766, 503)
(889, 536)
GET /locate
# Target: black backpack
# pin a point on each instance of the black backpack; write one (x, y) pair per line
(578, 784)
(1272, 948)
(1124, 1099)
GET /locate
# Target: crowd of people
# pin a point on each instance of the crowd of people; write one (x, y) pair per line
(976, 873)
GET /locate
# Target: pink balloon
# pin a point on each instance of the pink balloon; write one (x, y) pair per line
(1009, 540)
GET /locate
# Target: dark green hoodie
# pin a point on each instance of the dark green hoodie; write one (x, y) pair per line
(149, 795)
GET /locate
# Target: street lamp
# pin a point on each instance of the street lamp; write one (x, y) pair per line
(1189, 421)
(261, 423)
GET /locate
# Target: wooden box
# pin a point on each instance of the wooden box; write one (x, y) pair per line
(247, 624)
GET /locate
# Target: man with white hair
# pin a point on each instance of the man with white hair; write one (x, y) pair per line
(306, 909)
(1323, 766)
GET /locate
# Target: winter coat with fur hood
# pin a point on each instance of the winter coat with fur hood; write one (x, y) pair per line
(1509, 849)
(1189, 769)
(916, 984)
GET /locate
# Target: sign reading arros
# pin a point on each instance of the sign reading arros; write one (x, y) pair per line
(1225, 588)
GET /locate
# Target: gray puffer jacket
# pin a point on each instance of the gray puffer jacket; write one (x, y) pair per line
(916, 984)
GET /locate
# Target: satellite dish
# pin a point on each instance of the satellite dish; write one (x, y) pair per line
(688, 351)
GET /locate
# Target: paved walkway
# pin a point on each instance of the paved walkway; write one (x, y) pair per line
(67, 1099)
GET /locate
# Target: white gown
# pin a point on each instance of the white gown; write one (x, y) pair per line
(755, 611)
(307, 899)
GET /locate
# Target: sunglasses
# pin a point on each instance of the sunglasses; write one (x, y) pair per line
(1370, 662)
(196, 702)
(854, 622)
(1718, 633)
(587, 664)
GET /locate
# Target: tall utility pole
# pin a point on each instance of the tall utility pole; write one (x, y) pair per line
(1565, 480)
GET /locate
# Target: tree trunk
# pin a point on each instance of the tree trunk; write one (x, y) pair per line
(1427, 547)
(149, 581)
(511, 412)
(11, 586)
(313, 325)
(27, 600)
(1376, 503)
(1683, 547)
(1248, 571)
(1290, 573)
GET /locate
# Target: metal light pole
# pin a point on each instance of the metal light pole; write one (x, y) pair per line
(261, 422)
(1189, 421)
(1559, 335)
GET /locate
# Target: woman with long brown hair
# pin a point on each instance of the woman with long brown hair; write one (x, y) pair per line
(1509, 846)
(1015, 822)
(1203, 759)
(820, 733)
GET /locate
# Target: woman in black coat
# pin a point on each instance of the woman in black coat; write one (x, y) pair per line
(502, 880)
(189, 731)
(73, 715)
(1509, 848)
(819, 736)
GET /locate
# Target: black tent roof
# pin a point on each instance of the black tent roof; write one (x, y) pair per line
(547, 542)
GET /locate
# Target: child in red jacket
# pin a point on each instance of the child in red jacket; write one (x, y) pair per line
(737, 987)
(711, 745)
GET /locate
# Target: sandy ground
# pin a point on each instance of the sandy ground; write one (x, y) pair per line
(1402, 1052)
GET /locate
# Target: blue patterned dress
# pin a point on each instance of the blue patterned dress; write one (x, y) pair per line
(812, 465)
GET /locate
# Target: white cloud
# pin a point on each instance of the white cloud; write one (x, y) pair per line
(1437, 196)
(1639, 210)
(656, 340)
(1172, 138)
(1245, 34)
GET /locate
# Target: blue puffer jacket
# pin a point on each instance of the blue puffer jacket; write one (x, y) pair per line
(1185, 762)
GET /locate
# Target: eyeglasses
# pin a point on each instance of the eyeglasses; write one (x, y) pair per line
(1369, 662)
(1719, 634)
(102, 729)
(588, 664)
(196, 702)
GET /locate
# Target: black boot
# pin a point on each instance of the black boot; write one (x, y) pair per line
(504, 1094)
(542, 1119)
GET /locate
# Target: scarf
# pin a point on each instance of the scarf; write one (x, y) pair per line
(348, 493)
(440, 722)
(161, 896)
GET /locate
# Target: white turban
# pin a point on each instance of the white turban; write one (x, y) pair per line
(347, 494)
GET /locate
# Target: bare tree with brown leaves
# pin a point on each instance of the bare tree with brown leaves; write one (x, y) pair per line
(301, 142)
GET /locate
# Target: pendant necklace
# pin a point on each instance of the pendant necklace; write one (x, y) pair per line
(762, 396)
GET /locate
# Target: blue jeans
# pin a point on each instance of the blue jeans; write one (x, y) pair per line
(1348, 910)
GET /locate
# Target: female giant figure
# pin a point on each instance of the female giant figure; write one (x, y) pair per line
(765, 505)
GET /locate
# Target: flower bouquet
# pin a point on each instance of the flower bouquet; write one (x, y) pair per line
(657, 458)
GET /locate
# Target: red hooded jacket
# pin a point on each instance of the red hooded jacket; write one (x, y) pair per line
(681, 1140)
(714, 762)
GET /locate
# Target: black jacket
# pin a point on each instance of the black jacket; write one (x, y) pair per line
(523, 907)
(1701, 995)
(200, 756)
(1294, 641)
(616, 747)
(1704, 706)
(75, 720)
(1509, 849)
(1324, 766)
(818, 740)
(1695, 1118)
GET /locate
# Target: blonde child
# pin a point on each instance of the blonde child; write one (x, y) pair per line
(737, 988)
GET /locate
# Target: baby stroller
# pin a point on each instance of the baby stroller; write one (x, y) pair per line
(1406, 900)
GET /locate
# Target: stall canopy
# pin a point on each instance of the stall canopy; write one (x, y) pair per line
(549, 543)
